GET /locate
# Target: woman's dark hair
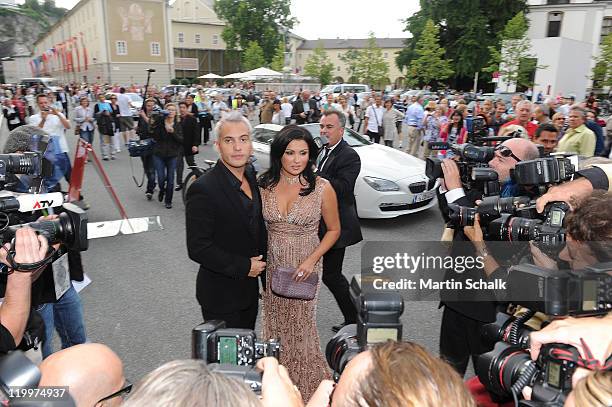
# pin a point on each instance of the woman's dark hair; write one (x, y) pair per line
(276, 102)
(270, 178)
(460, 124)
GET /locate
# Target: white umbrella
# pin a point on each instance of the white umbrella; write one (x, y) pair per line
(210, 76)
(262, 72)
(236, 75)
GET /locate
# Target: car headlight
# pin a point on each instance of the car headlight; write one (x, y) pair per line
(381, 185)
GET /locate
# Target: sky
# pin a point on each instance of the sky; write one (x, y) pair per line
(341, 18)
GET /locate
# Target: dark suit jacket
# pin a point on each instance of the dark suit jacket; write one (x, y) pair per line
(313, 115)
(191, 133)
(220, 240)
(341, 170)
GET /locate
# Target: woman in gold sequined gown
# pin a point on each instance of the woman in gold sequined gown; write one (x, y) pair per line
(294, 200)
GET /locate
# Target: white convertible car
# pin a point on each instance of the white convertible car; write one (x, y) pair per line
(391, 183)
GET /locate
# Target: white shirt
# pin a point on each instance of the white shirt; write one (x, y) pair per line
(123, 101)
(375, 117)
(287, 108)
(54, 127)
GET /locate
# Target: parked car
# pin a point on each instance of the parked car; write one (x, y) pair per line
(391, 183)
(173, 89)
(136, 100)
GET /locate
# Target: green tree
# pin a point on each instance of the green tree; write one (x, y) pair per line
(513, 59)
(467, 29)
(278, 61)
(602, 71)
(429, 66)
(318, 66)
(371, 67)
(252, 57)
(174, 81)
(351, 58)
(261, 21)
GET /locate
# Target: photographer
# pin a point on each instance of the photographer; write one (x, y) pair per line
(15, 310)
(463, 318)
(397, 374)
(143, 130)
(53, 294)
(546, 135)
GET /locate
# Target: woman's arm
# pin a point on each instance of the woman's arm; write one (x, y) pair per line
(331, 217)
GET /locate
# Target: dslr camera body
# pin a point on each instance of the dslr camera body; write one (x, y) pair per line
(508, 368)
(232, 351)
(214, 343)
(378, 320)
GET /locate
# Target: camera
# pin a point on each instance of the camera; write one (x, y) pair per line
(214, 343)
(543, 171)
(472, 165)
(247, 374)
(378, 320)
(150, 70)
(507, 369)
(28, 163)
(70, 228)
(514, 219)
(562, 292)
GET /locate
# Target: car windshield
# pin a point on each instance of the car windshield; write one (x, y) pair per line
(328, 89)
(351, 137)
(135, 97)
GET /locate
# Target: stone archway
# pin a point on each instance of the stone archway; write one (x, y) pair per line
(338, 79)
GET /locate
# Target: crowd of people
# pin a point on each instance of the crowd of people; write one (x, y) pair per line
(284, 233)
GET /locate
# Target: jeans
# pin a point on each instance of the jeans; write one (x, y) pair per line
(66, 316)
(165, 168)
(61, 168)
(87, 135)
(149, 168)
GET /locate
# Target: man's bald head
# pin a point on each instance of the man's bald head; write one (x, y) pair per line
(522, 148)
(91, 371)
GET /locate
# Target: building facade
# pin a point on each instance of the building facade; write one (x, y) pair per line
(336, 48)
(196, 39)
(565, 38)
(108, 41)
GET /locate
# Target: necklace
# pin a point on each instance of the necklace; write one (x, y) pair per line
(291, 180)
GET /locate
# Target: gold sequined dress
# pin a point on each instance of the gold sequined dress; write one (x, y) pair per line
(291, 239)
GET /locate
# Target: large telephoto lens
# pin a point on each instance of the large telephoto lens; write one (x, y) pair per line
(499, 369)
(510, 228)
(461, 215)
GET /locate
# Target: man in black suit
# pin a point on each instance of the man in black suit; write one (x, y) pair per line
(340, 165)
(305, 109)
(226, 233)
(191, 141)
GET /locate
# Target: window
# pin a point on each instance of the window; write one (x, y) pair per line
(155, 49)
(215, 39)
(555, 2)
(554, 24)
(181, 37)
(338, 68)
(121, 47)
(606, 28)
(197, 38)
(386, 55)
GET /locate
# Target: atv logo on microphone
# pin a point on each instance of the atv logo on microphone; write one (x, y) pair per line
(43, 204)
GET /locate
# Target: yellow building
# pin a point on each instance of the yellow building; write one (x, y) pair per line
(336, 48)
(108, 41)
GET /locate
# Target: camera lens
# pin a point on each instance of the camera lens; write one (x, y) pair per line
(341, 349)
(513, 229)
(461, 215)
(500, 330)
(502, 367)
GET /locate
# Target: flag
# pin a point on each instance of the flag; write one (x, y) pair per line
(85, 59)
